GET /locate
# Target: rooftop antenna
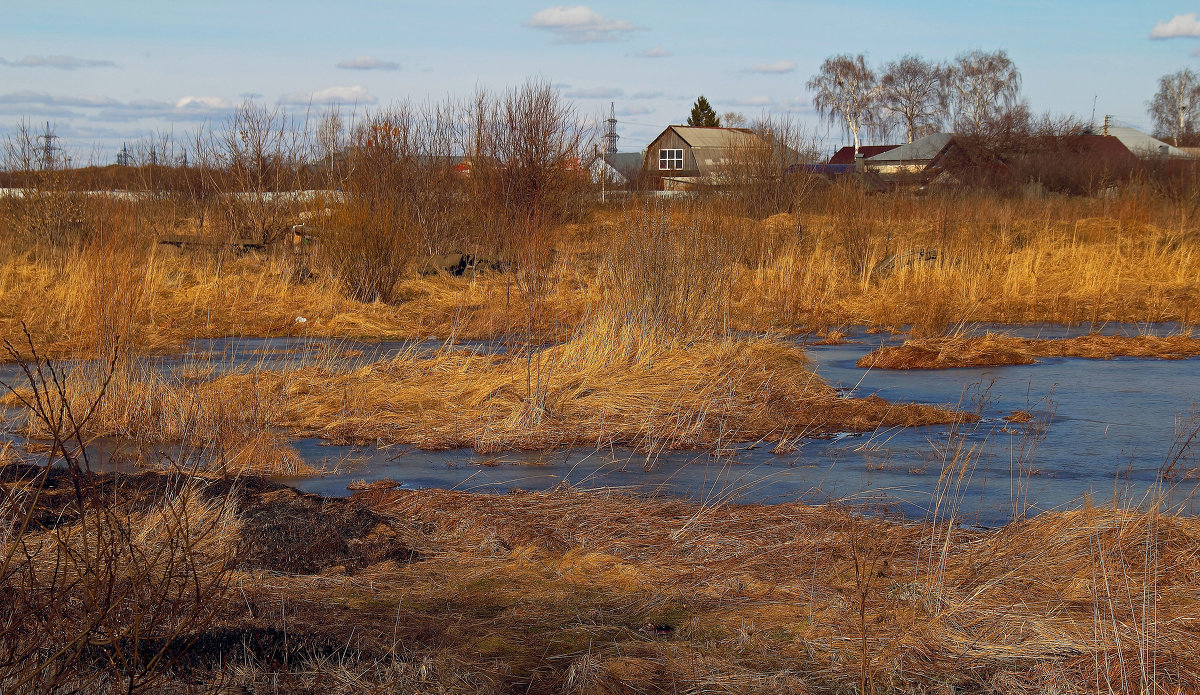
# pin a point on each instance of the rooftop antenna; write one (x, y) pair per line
(1093, 121)
(610, 131)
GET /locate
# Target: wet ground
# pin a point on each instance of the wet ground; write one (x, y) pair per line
(1103, 428)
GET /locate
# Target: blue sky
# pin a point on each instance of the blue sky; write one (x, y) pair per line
(111, 72)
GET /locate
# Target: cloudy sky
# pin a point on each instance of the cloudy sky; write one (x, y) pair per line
(119, 71)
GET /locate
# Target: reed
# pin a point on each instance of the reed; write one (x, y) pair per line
(991, 349)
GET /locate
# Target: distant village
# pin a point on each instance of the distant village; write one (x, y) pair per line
(683, 158)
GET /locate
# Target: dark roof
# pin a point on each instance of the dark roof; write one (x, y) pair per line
(625, 162)
(846, 154)
(1105, 149)
(919, 150)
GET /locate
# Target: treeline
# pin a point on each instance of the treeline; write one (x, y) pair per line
(913, 96)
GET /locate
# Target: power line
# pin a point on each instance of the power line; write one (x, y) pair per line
(610, 133)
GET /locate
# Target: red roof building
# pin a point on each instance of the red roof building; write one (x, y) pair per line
(846, 154)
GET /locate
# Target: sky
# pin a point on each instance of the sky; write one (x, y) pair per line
(113, 72)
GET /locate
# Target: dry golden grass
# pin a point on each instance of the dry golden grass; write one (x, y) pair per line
(267, 454)
(1064, 260)
(152, 538)
(181, 297)
(603, 387)
(552, 591)
(991, 349)
(605, 593)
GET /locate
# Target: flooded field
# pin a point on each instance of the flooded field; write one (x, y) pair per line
(1081, 427)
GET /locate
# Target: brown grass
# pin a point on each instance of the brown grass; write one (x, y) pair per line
(599, 389)
(761, 599)
(992, 350)
(398, 590)
(1064, 260)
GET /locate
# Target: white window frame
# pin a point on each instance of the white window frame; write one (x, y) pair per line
(670, 159)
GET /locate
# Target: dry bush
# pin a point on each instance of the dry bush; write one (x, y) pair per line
(255, 163)
(664, 277)
(764, 176)
(400, 196)
(45, 213)
(529, 156)
(105, 594)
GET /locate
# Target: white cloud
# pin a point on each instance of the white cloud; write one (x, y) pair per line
(1179, 25)
(59, 62)
(753, 101)
(27, 96)
(367, 63)
(777, 68)
(597, 93)
(202, 102)
(795, 105)
(579, 24)
(251, 95)
(42, 105)
(634, 111)
(656, 52)
(647, 95)
(330, 95)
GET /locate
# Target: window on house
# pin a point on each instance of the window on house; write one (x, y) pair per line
(670, 159)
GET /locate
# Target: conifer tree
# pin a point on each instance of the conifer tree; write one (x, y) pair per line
(703, 114)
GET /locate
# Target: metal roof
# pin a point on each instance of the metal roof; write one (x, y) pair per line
(846, 154)
(917, 150)
(715, 137)
(624, 162)
(1143, 145)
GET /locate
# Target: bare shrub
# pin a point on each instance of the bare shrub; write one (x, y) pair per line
(106, 595)
(43, 211)
(400, 196)
(764, 175)
(665, 277)
(255, 161)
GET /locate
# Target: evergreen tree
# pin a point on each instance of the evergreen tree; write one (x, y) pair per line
(703, 114)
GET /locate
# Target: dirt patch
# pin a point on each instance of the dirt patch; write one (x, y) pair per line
(282, 530)
(288, 531)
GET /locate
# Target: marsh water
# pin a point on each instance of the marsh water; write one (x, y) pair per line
(1100, 428)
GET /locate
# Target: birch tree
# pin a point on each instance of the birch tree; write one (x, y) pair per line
(1175, 108)
(846, 89)
(912, 91)
(982, 87)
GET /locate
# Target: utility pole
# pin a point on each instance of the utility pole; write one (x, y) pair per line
(1106, 118)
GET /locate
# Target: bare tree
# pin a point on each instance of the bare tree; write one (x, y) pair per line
(733, 119)
(846, 88)
(258, 153)
(912, 91)
(982, 86)
(330, 143)
(1175, 108)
